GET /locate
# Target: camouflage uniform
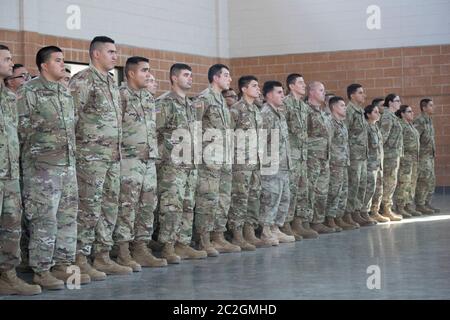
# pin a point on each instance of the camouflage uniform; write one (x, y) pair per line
(10, 199)
(138, 198)
(296, 117)
(319, 144)
(426, 180)
(407, 173)
(176, 179)
(47, 138)
(357, 172)
(246, 185)
(275, 194)
(374, 187)
(213, 196)
(98, 136)
(391, 130)
(339, 162)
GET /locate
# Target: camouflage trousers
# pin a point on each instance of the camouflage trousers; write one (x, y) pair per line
(275, 198)
(99, 188)
(51, 204)
(298, 185)
(357, 180)
(406, 185)
(137, 201)
(245, 199)
(213, 200)
(374, 190)
(426, 181)
(390, 170)
(10, 216)
(318, 181)
(176, 192)
(337, 191)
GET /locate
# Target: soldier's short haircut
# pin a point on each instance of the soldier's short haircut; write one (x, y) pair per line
(311, 86)
(291, 79)
(176, 68)
(133, 61)
(3, 47)
(376, 101)
(351, 89)
(215, 70)
(424, 103)
(97, 42)
(17, 66)
(369, 109)
(389, 98)
(43, 55)
(244, 81)
(334, 100)
(269, 86)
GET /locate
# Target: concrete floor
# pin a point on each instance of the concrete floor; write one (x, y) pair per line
(413, 257)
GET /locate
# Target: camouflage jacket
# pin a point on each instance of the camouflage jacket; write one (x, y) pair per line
(339, 151)
(274, 122)
(175, 119)
(138, 124)
(375, 156)
(319, 133)
(99, 115)
(391, 130)
(9, 141)
(247, 121)
(297, 121)
(357, 132)
(411, 141)
(424, 126)
(214, 114)
(46, 123)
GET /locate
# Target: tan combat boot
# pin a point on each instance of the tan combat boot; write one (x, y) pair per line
(267, 237)
(143, 255)
(410, 209)
(286, 229)
(249, 236)
(344, 225)
(424, 210)
(238, 240)
(222, 245)
(86, 268)
(401, 211)
(60, 272)
(378, 217)
(103, 262)
(330, 223)
(281, 237)
(206, 245)
(302, 230)
(389, 214)
(186, 252)
(47, 281)
(124, 257)
(349, 220)
(168, 253)
(356, 216)
(368, 218)
(11, 284)
(321, 228)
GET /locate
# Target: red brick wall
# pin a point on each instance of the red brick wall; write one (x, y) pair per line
(412, 73)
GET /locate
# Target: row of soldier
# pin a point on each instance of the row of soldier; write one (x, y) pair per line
(92, 165)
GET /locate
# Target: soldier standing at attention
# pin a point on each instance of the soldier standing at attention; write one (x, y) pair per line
(98, 136)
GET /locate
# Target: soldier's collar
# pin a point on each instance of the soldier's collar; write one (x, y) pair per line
(217, 95)
(178, 98)
(355, 106)
(106, 78)
(54, 86)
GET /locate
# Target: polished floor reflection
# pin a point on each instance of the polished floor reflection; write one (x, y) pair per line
(413, 257)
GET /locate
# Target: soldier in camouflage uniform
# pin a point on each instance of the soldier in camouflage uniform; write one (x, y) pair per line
(407, 172)
(276, 163)
(10, 197)
(47, 139)
(138, 197)
(246, 185)
(98, 138)
(372, 197)
(319, 143)
(391, 130)
(357, 172)
(213, 197)
(426, 180)
(339, 163)
(299, 217)
(177, 174)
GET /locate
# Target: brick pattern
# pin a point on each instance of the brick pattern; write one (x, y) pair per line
(412, 73)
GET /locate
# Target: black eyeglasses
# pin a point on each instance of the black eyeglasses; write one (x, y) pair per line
(25, 76)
